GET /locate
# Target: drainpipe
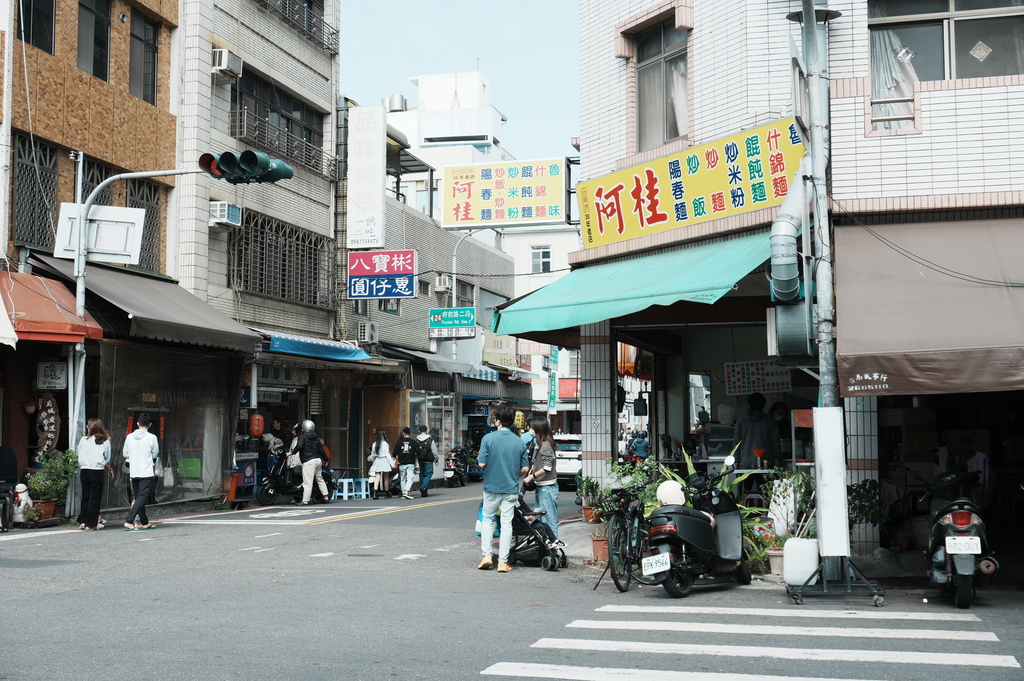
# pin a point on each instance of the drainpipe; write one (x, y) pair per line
(785, 272)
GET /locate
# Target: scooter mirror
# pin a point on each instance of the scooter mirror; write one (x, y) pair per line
(730, 460)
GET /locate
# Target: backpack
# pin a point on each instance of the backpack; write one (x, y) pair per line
(424, 450)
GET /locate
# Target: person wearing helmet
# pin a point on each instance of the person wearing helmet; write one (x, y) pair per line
(641, 445)
(309, 447)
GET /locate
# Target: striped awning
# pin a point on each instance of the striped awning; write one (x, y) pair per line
(483, 373)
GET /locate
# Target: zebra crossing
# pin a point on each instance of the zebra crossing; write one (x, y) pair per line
(735, 644)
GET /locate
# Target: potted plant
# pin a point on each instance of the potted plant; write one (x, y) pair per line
(865, 504)
(49, 484)
(589, 491)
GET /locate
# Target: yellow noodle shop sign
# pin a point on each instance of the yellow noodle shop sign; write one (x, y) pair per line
(749, 171)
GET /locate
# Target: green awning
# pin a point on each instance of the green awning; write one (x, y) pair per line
(592, 294)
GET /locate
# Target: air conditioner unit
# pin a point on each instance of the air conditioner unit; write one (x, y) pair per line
(227, 66)
(442, 283)
(367, 333)
(224, 215)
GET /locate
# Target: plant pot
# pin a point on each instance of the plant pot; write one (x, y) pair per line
(45, 507)
(600, 546)
(592, 514)
(775, 561)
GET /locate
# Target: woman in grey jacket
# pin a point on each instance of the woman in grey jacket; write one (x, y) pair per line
(542, 472)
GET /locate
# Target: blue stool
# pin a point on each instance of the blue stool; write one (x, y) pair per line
(361, 488)
(345, 488)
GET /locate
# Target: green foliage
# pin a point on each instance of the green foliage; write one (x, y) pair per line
(780, 478)
(642, 471)
(589, 489)
(51, 481)
(865, 504)
(220, 505)
(31, 514)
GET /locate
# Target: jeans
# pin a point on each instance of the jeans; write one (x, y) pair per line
(311, 471)
(426, 473)
(408, 472)
(141, 488)
(492, 503)
(547, 501)
(92, 493)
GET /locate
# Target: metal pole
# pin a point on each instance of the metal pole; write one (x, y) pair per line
(78, 413)
(7, 146)
(455, 253)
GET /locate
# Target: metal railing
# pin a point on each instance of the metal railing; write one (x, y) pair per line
(248, 127)
(296, 14)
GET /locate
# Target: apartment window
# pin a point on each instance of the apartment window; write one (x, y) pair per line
(34, 192)
(359, 307)
(389, 305)
(280, 109)
(464, 294)
(661, 84)
(273, 258)
(36, 23)
(143, 62)
(94, 37)
(540, 259)
(921, 40)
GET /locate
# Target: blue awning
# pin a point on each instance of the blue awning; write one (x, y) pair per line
(588, 295)
(483, 373)
(307, 346)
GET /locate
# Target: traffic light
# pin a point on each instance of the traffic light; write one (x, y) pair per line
(249, 166)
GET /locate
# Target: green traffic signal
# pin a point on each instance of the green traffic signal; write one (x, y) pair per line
(249, 166)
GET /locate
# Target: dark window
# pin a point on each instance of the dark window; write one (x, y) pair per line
(285, 112)
(94, 37)
(36, 23)
(661, 85)
(464, 295)
(389, 305)
(143, 64)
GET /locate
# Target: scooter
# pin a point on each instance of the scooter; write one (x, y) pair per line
(957, 541)
(455, 466)
(281, 480)
(703, 539)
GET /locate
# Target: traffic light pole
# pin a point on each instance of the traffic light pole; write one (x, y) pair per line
(77, 428)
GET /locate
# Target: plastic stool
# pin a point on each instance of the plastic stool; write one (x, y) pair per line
(346, 488)
(361, 488)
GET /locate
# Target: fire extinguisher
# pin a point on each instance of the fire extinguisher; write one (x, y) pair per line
(256, 425)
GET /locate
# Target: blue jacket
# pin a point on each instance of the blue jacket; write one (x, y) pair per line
(504, 454)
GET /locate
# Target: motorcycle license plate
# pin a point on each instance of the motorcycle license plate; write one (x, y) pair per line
(449, 474)
(963, 545)
(652, 565)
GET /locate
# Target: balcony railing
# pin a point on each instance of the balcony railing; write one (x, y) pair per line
(296, 14)
(259, 132)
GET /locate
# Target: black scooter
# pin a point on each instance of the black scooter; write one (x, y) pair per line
(685, 544)
(288, 482)
(456, 465)
(957, 546)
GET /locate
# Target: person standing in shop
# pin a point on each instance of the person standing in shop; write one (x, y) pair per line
(757, 435)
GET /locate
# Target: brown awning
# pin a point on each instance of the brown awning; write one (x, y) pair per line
(930, 308)
(44, 310)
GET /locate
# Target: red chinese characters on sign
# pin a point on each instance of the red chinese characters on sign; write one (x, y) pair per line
(381, 263)
(609, 207)
(463, 212)
(645, 199)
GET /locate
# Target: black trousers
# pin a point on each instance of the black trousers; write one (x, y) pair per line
(141, 488)
(92, 495)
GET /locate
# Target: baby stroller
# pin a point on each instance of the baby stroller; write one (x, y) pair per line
(529, 544)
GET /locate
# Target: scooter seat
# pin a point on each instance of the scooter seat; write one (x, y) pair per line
(681, 510)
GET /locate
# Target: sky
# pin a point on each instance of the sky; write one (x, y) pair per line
(527, 49)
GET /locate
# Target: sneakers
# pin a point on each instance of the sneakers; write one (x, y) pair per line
(486, 563)
(504, 567)
(407, 496)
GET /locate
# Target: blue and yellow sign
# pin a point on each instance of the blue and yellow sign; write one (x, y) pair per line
(738, 174)
(495, 194)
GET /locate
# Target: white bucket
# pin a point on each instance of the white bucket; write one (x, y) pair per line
(800, 560)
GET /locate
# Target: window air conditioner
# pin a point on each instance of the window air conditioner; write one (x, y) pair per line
(224, 215)
(367, 333)
(226, 65)
(442, 283)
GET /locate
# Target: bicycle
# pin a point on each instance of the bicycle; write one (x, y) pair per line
(627, 536)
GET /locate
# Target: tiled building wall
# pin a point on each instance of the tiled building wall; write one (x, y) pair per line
(600, 426)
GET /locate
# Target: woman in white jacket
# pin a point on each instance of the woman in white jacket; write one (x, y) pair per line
(93, 457)
(381, 464)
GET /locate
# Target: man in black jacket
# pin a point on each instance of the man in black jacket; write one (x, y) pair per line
(310, 450)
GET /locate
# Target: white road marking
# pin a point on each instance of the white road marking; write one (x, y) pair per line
(11, 536)
(777, 630)
(272, 534)
(321, 555)
(801, 612)
(262, 550)
(410, 556)
(766, 652)
(149, 539)
(250, 548)
(558, 671)
(368, 546)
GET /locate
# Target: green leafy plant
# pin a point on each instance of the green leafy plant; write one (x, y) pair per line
(220, 505)
(52, 480)
(31, 514)
(589, 490)
(865, 504)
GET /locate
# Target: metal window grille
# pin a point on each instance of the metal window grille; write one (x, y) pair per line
(35, 201)
(95, 173)
(148, 195)
(260, 132)
(307, 18)
(275, 259)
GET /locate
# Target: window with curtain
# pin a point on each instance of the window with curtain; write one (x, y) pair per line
(661, 86)
(389, 305)
(143, 60)
(540, 259)
(94, 37)
(35, 23)
(923, 40)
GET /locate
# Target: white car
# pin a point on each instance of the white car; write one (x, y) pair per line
(569, 459)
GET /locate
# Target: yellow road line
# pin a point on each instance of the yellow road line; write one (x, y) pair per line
(385, 511)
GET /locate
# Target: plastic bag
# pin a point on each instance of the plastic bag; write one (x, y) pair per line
(480, 521)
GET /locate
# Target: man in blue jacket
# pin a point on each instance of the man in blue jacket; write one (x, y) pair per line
(503, 458)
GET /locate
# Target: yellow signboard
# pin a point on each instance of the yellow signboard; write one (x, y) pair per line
(745, 172)
(503, 194)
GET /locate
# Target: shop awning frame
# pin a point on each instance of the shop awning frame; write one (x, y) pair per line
(587, 295)
(434, 361)
(39, 309)
(308, 346)
(483, 373)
